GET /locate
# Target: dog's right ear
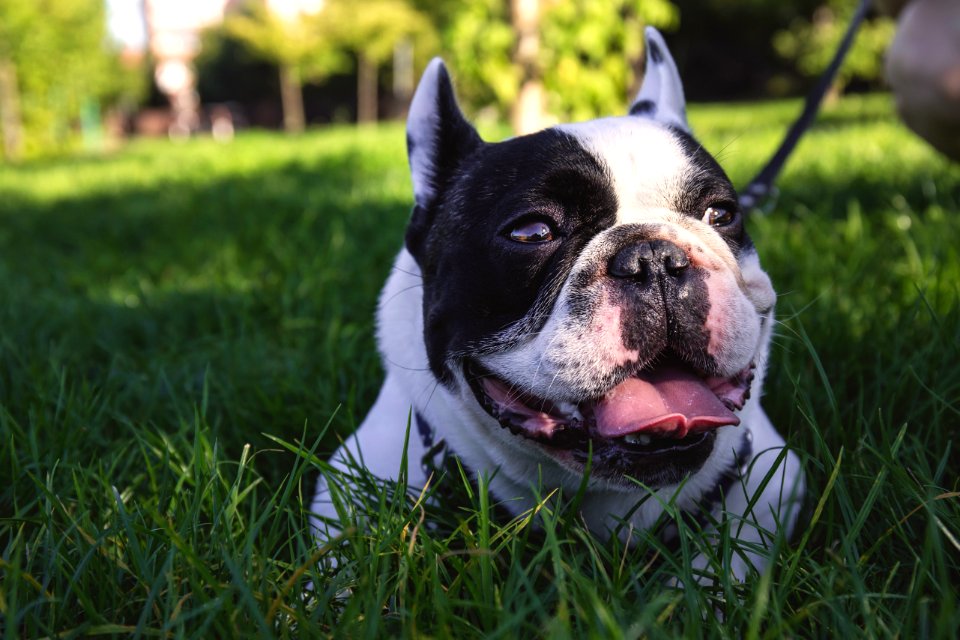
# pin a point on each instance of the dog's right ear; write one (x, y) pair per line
(438, 136)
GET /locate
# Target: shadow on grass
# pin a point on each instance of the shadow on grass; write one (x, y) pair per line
(253, 295)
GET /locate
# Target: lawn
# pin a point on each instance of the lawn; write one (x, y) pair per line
(186, 331)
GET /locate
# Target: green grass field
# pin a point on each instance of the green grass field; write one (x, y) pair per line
(186, 329)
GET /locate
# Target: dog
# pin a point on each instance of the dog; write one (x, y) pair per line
(584, 300)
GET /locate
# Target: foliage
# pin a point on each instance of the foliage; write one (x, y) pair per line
(168, 305)
(318, 42)
(305, 43)
(309, 47)
(589, 52)
(228, 70)
(478, 45)
(375, 30)
(811, 44)
(62, 59)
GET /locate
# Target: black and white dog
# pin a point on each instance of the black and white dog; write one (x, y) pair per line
(587, 291)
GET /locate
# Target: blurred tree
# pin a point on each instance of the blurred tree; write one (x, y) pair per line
(478, 41)
(373, 34)
(527, 112)
(54, 60)
(587, 55)
(811, 43)
(304, 46)
(227, 70)
(14, 25)
(593, 53)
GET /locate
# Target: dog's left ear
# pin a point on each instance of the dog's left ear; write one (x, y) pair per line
(438, 139)
(438, 136)
(661, 94)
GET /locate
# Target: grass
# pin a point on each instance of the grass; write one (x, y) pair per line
(186, 331)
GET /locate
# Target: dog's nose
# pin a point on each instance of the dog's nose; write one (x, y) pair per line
(641, 260)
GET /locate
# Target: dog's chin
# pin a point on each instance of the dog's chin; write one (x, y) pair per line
(655, 427)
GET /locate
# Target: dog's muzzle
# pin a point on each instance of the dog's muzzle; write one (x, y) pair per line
(655, 425)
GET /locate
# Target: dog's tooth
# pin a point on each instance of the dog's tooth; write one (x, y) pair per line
(569, 409)
(642, 439)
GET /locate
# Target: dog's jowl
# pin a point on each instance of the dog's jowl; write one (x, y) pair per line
(585, 292)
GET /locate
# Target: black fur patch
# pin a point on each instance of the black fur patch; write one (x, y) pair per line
(477, 281)
(656, 56)
(643, 108)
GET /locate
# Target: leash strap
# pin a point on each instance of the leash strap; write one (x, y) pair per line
(761, 186)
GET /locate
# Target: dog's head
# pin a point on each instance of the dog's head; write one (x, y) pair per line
(588, 289)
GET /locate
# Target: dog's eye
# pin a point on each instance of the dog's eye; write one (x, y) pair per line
(719, 216)
(532, 231)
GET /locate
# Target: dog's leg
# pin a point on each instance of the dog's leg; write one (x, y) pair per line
(767, 499)
(378, 446)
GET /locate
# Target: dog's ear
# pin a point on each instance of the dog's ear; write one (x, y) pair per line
(661, 94)
(438, 136)
(438, 139)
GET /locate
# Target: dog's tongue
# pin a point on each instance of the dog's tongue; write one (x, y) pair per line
(667, 401)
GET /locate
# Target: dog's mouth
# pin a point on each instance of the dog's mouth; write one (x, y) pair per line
(667, 409)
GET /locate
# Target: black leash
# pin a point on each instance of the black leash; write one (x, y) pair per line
(761, 186)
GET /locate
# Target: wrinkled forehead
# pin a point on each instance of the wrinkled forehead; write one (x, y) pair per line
(650, 165)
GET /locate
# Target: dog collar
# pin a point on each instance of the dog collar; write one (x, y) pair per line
(435, 452)
(735, 472)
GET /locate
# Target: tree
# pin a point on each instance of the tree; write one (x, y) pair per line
(373, 32)
(527, 115)
(303, 46)
(593, 53)
(479, 41)
(586, 58)
(53, 61)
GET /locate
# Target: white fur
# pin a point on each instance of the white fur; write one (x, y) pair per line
(422, 127)
(644, 160)
(662, 85)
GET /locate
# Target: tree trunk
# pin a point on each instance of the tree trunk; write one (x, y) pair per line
(11, 124)
(366, 90)
(404, 79)
(527, 113)
(291, 95)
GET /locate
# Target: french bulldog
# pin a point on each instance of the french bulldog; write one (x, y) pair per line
(581, 300)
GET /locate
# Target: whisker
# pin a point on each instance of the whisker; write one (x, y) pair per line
(409, 273)
(410, 288)
(404, 367)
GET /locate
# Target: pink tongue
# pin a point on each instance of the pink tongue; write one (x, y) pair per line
(668, 401)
